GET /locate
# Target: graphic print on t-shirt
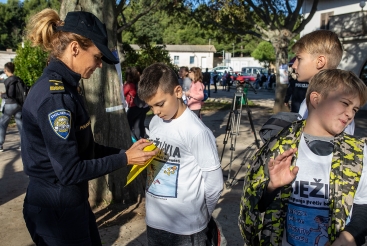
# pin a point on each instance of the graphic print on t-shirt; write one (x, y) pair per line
(308, 209)
(163, 171)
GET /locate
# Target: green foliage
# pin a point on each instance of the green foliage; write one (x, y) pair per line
(147, 55)
(13, 16)
(29, 63)
(265, 53)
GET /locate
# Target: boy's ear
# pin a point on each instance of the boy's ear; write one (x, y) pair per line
(178, 91)
(315, 98)
(321, 62)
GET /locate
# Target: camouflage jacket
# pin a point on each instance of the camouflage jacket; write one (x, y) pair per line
(267, 228)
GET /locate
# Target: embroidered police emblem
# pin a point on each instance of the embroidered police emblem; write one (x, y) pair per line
(60, 121)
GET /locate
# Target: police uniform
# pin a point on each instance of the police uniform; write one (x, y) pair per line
(60, 156)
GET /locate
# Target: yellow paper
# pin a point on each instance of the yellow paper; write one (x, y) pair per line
(137, 169)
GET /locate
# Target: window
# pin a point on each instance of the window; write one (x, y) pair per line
(324, 21)
(176, 60)
(192, 59)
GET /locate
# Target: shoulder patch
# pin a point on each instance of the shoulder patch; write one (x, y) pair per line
(60, 121)
(56, 86)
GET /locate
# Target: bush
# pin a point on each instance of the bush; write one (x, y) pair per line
(29, 63)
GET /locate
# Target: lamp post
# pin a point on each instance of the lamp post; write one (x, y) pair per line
(233, 50)
(362, 4)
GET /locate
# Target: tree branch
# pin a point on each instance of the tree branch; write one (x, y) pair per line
(275, 13)
(138, 16)
(259, 12)
(309, 17)
(119, 7)
(292, 18)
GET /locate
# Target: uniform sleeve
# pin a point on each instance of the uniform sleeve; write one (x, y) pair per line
(62, 147)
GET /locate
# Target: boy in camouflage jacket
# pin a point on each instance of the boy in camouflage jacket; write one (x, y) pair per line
(284, 200)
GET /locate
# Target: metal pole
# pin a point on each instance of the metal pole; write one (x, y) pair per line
(224, 60)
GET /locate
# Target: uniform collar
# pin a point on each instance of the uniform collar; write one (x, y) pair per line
(68, 76)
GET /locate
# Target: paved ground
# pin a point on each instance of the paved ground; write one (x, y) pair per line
(13, 181)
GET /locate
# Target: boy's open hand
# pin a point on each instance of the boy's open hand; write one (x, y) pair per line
(280, 170)
(136, 155)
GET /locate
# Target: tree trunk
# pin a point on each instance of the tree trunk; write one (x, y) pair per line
(280, 41)
(102, 91)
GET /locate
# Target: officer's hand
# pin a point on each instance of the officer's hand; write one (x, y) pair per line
(280, 170)
(136, 155)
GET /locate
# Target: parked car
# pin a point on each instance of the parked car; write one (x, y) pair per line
(222, 69)
(246, 77)
(254, 70)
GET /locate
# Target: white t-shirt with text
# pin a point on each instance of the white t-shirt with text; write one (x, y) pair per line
(175, 199)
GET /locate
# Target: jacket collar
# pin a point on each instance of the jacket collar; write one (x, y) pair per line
(68, 76)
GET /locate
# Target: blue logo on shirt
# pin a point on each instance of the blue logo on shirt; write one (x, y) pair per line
(60, 121)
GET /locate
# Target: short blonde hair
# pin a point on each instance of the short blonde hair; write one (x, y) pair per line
(321, 42)
(328, 80)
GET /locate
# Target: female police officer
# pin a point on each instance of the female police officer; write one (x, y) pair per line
(58, 150)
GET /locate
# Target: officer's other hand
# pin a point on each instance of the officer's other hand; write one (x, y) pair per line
(136, 155)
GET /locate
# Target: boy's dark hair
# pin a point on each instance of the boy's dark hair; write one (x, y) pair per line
(10, 67)
(155, 76)
(321, 42)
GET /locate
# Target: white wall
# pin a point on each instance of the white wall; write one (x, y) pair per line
(239, 62)
(199, 57)
(6, 57)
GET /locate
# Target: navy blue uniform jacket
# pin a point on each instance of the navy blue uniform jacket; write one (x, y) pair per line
(58, 149)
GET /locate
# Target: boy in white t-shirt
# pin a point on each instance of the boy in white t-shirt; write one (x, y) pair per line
(316, 51)
(185, 180)
(309, 181)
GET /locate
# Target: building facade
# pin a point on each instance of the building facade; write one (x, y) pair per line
(190, 55)
(6, 56)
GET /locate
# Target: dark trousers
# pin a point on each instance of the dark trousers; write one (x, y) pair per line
(158, 237)
(62, 226)
(208, 84)
(136, 117)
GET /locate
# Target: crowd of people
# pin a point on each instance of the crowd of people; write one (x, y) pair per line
(305, 186)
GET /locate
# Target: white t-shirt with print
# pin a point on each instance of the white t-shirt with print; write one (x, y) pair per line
(175, 199)
(308, 210)
(303, 111)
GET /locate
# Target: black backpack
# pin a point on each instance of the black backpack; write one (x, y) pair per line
(20, 90)
(276, 123)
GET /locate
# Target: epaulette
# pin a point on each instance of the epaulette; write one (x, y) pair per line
(56, 84)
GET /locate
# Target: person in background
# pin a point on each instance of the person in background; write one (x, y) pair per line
(206, 80)
(215, 80)
(184, 81)
(59, 153)
(11, 107)
(137, 108)
(297, 91)
(185, 180)
(224, 81)
(196, 92)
